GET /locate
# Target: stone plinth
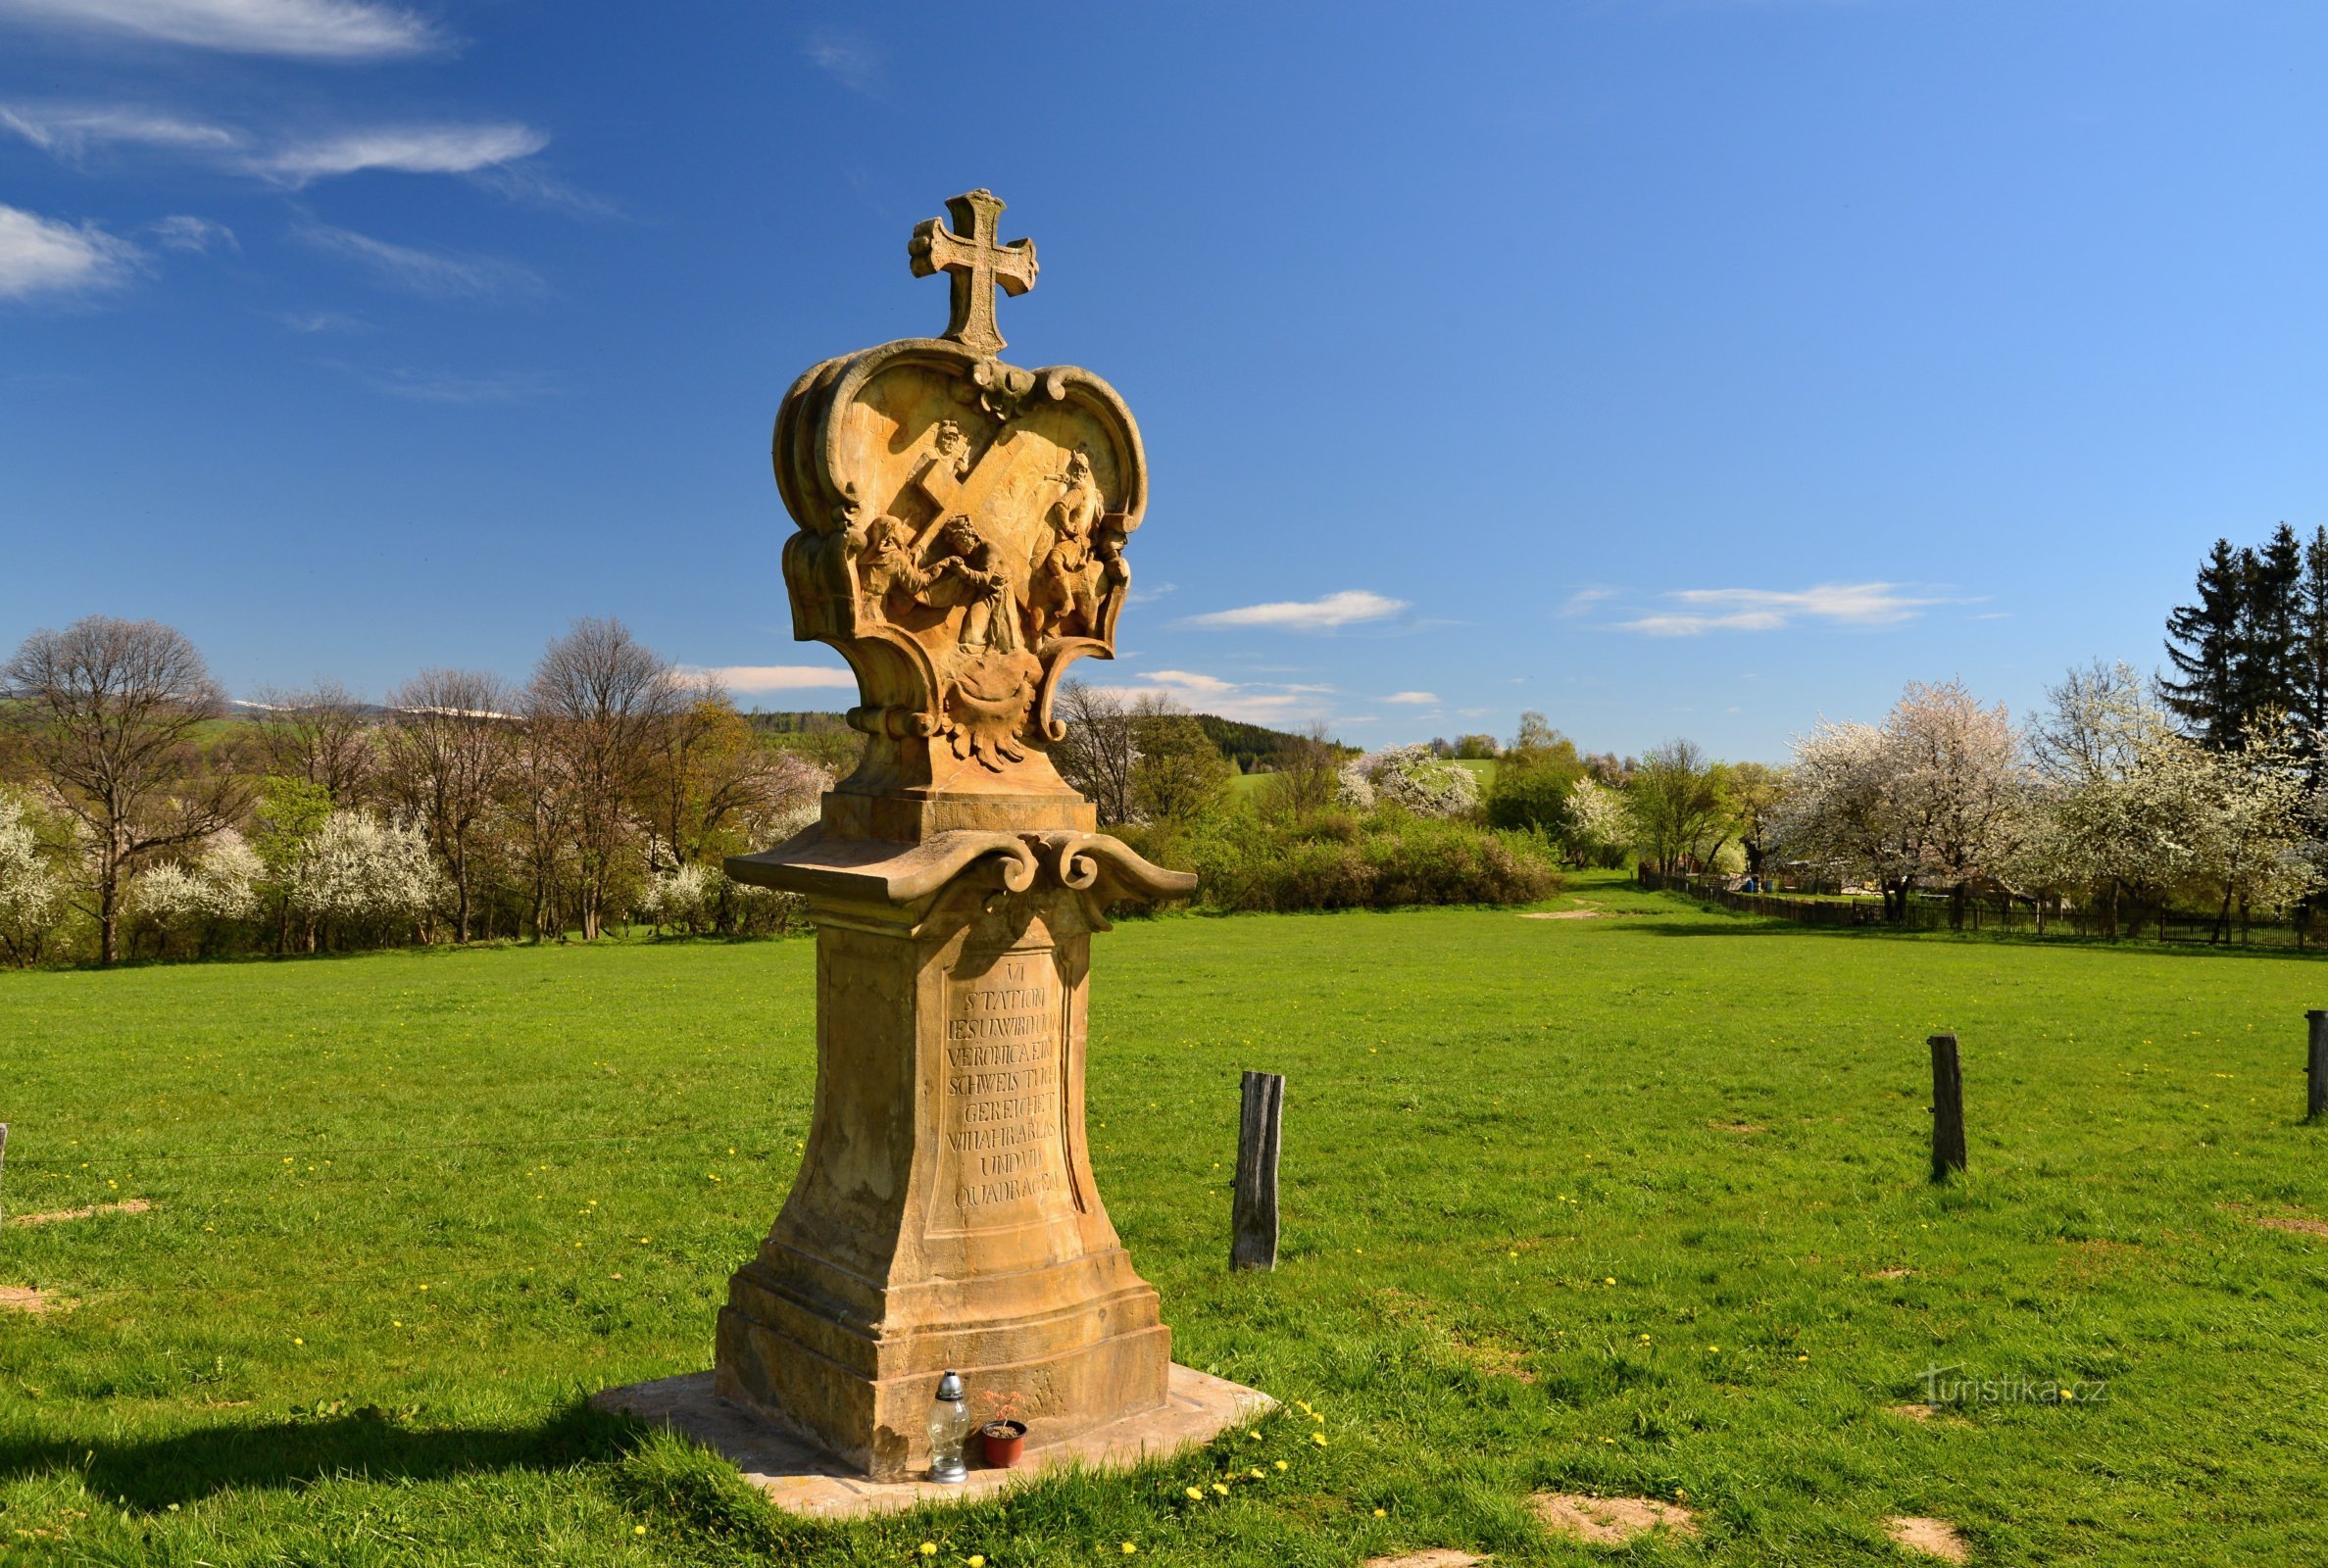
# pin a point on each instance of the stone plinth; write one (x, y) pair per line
(801, 1479)
(945, 1214)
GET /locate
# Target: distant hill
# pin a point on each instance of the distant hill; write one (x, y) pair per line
(1249, 746)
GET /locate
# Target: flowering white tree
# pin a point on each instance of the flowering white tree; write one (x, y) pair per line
(32, 894)
(2253, 843)
(217, 885)
(1838, 811)
(359, 870)
(1599, 825)
(1939, 793)
(1409, 776)
(1959, 781)
(2121, 799)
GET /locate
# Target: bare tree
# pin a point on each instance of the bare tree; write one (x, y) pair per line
(109, 711)
(1304, 775)
(1680, 803)
(708, 772)
(320, 734)
(599, 697)
(449, 749)
(1100, 749)
(1179, 774)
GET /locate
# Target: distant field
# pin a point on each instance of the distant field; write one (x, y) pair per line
(1630, 1205)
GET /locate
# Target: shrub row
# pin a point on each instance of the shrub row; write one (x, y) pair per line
(1339, 860)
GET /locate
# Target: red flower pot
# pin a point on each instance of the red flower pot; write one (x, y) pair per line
(1004, 1442)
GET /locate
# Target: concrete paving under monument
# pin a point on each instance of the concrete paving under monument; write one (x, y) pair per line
(801, 1479)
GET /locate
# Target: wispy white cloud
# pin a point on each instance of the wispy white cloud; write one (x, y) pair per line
(44, 255)
(313, 30)
(1345, 608)
(527, 184)
(184, 231)
(321, 322)
(1414, 698)
(1706, 609)
(410, 149)
(1251, 703)
(761, 678)
(433, 274)
(848, 58)
(494, 155)
(1584, 599)
(72, 130)
(437, 386)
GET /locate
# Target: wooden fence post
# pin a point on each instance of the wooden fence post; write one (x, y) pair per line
(1948, 1108)
(3, 1170)
(2315, 1067)
(1253, 1240)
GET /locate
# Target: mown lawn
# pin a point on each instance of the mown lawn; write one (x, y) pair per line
(1627, 1205)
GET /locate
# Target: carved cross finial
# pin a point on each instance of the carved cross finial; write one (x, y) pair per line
(974, 264)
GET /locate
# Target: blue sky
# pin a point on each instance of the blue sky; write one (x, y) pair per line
(1672, 366)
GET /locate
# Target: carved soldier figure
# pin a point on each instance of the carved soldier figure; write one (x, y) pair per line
(1062, 586)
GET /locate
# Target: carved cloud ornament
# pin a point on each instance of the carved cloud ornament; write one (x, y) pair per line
(963, 525)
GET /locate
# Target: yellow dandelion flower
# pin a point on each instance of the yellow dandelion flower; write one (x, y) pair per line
(976, 1560)
(1611, 1279)
(1280, 1464)
(1382, 1513)
(638, 1530)
(1317, 1437)
(296, 1341)
(1218, 1487)
(2072, 1394)
(1129, 1549)
(1193, 1493)
(928, 1549)
(1255, 1472)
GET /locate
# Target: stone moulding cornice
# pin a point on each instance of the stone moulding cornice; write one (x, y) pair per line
(906, 876)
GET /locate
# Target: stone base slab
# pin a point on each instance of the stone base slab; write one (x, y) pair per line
(802, 1479)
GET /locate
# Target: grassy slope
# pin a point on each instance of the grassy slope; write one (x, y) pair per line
(1488, 1118)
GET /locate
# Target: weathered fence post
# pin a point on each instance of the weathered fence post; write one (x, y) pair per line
(2315, 1068)
(1253, 1240)
(1948, 1108)
(3, 1170)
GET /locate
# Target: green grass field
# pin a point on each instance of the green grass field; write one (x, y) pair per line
(1627, 1205)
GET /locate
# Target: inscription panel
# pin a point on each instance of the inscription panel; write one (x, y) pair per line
(1002, 1158)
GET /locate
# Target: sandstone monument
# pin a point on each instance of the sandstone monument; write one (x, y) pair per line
(963, 528)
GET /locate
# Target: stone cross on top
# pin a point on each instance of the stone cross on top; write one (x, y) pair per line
(976, 264)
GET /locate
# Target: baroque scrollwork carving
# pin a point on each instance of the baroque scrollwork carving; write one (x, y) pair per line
(963, 528)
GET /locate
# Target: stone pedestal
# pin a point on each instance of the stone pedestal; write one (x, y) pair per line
(945, 1214)
(963, 533)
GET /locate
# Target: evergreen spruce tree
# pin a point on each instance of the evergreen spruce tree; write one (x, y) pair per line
(2272, 640)
(2205, 644)
(2311, 716)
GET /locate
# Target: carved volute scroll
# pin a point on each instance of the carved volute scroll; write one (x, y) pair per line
(962, 538)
